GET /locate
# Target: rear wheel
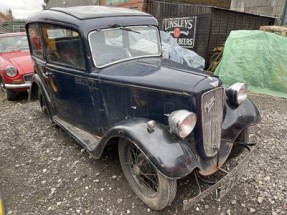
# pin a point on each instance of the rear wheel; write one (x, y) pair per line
(45, 108)
(237, 149)
(149, 185)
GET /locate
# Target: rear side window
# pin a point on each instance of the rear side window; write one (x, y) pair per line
(63, 46)
(35, 40)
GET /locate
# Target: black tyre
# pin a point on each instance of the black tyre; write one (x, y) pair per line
(237, 149)
(11, 95)
(149, 185)
(45, 108)
(1, 85)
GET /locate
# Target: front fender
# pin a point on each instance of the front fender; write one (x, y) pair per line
(237, 118)
(171, 156)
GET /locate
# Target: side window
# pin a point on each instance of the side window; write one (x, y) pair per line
(35, 40)
(63, 46)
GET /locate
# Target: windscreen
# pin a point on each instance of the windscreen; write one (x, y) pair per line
(118, 44)
(13, 43)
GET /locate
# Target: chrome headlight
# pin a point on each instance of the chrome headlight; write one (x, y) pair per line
(237, 93)
(182, 122)
(11, 71)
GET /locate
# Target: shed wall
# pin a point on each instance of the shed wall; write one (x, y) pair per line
(213, 24)
(272, 8)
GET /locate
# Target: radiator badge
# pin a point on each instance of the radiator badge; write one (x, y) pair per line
(209, 105)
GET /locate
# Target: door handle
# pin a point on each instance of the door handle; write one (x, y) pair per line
(47, 74)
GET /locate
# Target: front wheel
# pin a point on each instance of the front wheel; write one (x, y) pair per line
(237, 149)
(149, 185)
(11, 95)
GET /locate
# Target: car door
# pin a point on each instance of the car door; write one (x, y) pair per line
(67, 79)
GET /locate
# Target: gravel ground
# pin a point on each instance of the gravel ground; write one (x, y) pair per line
(43, 171)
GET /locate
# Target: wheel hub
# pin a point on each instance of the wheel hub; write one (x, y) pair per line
(136, 169)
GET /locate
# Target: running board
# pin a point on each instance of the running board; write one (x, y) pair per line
(84, 138)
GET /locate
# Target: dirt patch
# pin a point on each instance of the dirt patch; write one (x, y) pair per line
(43, 170)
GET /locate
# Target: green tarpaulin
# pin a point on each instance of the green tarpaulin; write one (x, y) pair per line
(257, 58)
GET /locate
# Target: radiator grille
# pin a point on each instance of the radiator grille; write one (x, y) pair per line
(212, 114)
(28, 77)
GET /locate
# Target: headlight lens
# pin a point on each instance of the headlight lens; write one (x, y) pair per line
(182, 122)
(237, 93)
(11, 71)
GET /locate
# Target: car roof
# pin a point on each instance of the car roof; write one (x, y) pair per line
(13, 34)
(89, 18)
(90, 12)
(83, 13)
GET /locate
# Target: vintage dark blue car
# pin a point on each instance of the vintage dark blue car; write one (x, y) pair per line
(100, 76)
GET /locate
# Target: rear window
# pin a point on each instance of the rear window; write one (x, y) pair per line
(35, 40)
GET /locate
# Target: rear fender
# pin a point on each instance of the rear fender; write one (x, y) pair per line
(171, 156)
(37, 84)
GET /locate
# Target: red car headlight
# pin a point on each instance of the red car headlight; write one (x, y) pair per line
(11, 71)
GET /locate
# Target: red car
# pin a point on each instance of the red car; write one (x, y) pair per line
(16, 67)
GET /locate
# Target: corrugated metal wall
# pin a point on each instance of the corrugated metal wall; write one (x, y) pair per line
(272, 8)
(224, 21)
(215, 3)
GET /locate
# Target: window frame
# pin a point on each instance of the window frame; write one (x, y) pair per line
(41, 55)
(42, 25)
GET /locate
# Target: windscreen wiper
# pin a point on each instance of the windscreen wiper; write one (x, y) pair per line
(124, 28)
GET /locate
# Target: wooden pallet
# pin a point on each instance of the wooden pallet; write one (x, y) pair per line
(275, 29)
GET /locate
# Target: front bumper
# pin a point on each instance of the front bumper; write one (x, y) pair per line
(25, 85)
(224, 184)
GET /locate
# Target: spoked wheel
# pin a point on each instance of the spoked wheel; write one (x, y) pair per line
(149, 185)
(44, 108)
